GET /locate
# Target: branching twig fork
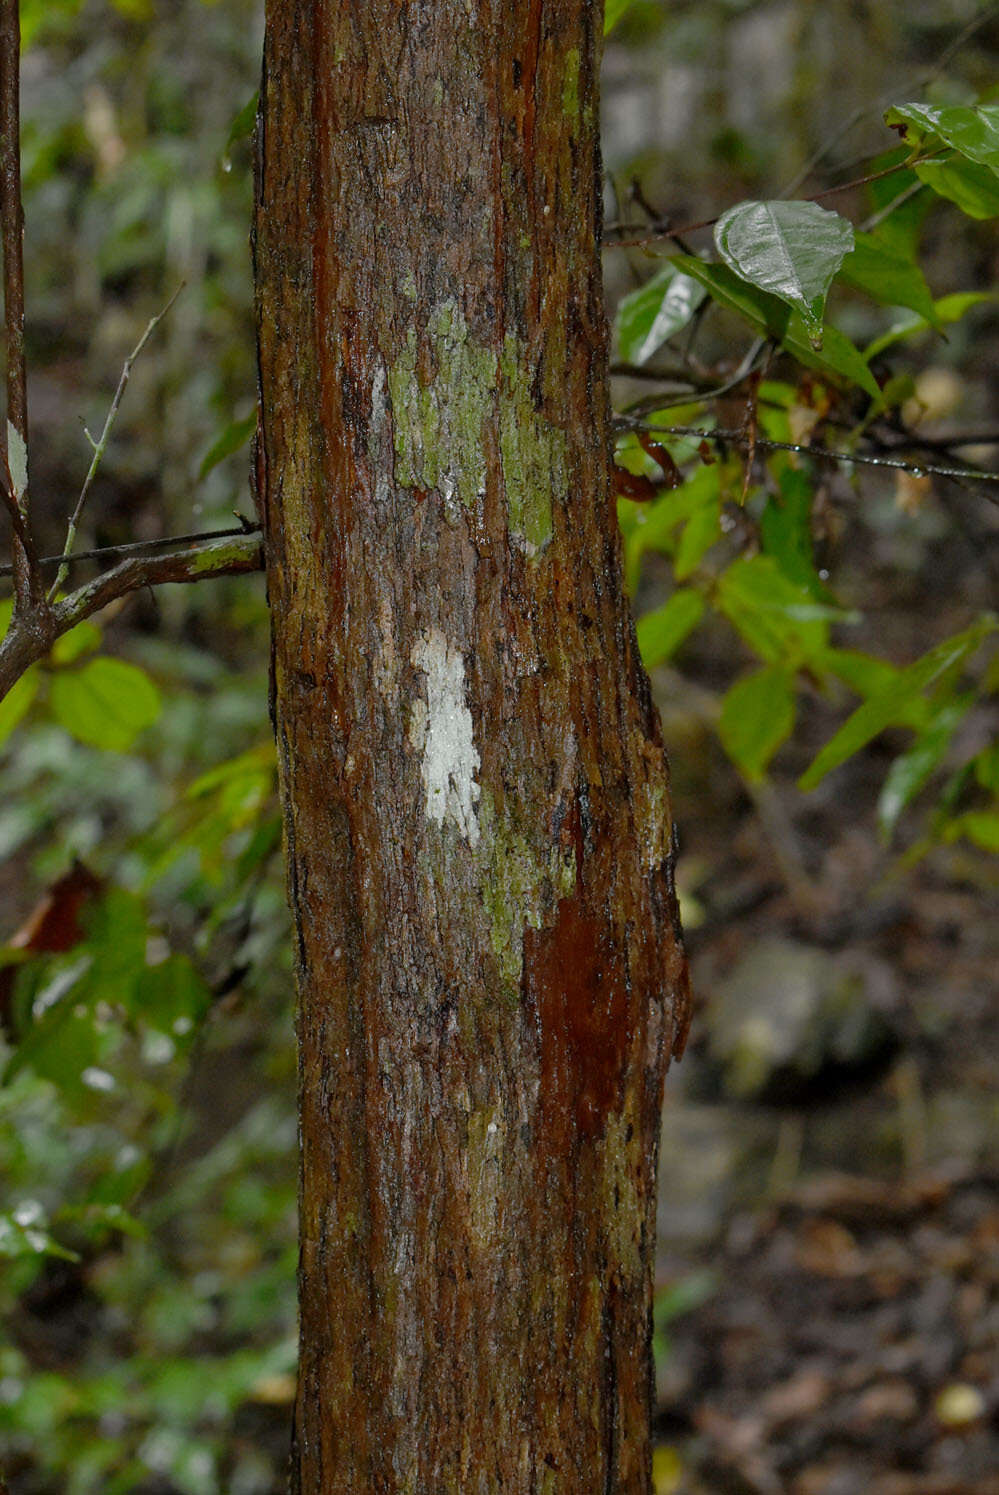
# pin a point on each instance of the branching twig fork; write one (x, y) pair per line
(100, 446)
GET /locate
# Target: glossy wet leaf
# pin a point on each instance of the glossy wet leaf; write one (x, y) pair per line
(769, 316)
(974, 188)
(652, 314)
(757, 716)
(791, 250)
(661, 632)
(107, 703)
(971, 130)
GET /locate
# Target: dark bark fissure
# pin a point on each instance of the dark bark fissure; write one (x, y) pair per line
(477, 809)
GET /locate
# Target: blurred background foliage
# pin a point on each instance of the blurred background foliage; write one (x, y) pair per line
(147, 1111)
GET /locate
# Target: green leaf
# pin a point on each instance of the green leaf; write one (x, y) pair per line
(911, 769)
(118, 933)
(889, 707)
(947, 309)
(653, 526)
(660, 633)
(786, 530)
(765, 608)
(971, 130)
(173, 993)
(83, 639)
(251, 764)
(62, 1042)
(864, 673)
(887, 277)
(770, 317)
(757, 715)
(23, 1232)
(243, 125)
(700, 532)
(613, 12)
(987, 767)
(974, 188)
(649, 316)
(791, 250)
(107, 703)
(231, 439)
(901, 199)
(17, 701)
(96, 1218)
(980, 826)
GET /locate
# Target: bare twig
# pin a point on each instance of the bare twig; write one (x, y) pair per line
(26, 643)
(140, 547)
(630, 419)
(918, 84)
(861, 181)
(100, 446)
(27, 582)
(740, 438)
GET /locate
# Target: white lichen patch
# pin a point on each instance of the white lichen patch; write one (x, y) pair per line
(441, 726)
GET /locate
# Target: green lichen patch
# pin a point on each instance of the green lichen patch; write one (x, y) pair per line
(533, 453)
(519, 885)
(439, 424)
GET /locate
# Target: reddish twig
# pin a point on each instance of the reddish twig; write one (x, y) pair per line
(27, 581)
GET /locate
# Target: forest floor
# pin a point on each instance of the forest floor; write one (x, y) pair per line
(828, 1267)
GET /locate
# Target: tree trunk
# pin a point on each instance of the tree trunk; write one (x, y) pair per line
(476, 800)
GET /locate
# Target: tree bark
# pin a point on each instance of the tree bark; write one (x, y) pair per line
(476, 800)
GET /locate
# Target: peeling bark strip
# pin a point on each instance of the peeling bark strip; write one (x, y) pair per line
(476, 802)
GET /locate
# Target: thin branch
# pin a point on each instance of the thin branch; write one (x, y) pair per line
(140, 547)
(870, 223)
(25, 643)
(27, 582)
(100, 446)
(17, 518)
(739, 438)
(918, 82)
(861, 181)
(629, 419)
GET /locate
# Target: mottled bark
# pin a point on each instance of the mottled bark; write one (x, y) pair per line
(476, 799)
